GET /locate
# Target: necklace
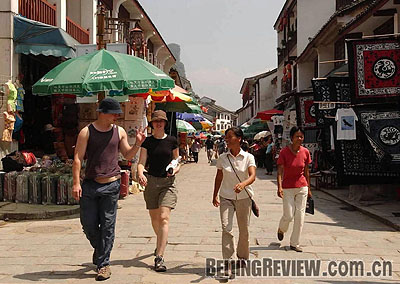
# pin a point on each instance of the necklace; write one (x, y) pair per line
(293, 150)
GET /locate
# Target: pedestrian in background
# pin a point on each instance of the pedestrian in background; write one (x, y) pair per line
(269, 155)
(293, 186)
(236, 171)
(183, 150)
(196, 146)
(221, 146)
(245, 146)
(101, 141)
(190, 141)
(209, 148)
(160, 194)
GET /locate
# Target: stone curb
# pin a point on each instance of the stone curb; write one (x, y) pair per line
(362, 210)
(39, 215)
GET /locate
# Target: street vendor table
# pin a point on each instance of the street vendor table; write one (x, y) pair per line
(317, 176)
(328, 179)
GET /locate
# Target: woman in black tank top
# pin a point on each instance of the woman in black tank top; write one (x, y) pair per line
(160, 194)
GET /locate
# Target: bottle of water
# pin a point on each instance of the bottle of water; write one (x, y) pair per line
(172, 165)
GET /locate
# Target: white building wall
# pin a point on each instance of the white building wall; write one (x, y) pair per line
(61, 13)
(325, 53)
(311, 16)
(74, 10)
(268, 93)
(223, 121)
(89, 18)
(305, 72)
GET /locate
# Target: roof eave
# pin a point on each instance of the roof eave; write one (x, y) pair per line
(361, 19)
(287, 4)
(154, 27)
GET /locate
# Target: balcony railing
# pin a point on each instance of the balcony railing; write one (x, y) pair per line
(38, 10)
(77, 32)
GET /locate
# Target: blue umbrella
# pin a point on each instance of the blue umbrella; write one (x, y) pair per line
(190, 117)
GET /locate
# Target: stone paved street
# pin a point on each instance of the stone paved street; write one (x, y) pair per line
(56, 250)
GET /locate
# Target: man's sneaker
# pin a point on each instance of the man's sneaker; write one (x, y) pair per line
(159, 265)
(103, 273)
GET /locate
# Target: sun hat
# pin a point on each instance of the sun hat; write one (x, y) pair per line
(158, 115)
(109, 105)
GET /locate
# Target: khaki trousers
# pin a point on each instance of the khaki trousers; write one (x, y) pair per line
(294, 206)
(243, 210)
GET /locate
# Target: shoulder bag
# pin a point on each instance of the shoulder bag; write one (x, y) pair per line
(254, 207)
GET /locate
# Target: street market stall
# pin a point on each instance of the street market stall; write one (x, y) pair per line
(75, 87)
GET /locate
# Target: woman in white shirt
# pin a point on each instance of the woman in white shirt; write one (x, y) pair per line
(230, 193)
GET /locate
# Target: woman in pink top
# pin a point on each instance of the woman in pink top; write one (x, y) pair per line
(294, 187)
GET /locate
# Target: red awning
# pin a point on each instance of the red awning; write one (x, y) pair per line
(267, 114)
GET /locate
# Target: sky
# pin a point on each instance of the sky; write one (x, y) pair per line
(222, 41)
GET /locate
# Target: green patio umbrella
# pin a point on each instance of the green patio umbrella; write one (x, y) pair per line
(254, 128)
(183, 126)
(120, 74)
(179, 107)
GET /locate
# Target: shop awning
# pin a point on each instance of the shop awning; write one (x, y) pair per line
(32, 37)
(267, 114)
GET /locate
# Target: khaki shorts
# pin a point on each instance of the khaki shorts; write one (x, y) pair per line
(160, 191)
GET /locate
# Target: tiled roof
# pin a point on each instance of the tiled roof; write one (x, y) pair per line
(256, 77)
(367, 9)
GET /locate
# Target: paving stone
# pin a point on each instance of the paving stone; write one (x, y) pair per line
(195, 234)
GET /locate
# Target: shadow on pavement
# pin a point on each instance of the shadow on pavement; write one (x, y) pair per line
(172, 270)
(346, 217)
(82, 273)
(271, 246)
(65, 274)
(260, 175)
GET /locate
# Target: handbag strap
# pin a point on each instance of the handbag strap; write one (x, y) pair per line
(233, 168)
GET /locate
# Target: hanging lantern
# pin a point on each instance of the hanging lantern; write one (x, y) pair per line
(136, 41)
(289, 74)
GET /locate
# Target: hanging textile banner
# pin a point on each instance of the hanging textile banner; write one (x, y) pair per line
(375, 156)
(383, 129)
(375, 65)
(328, 91)
(306, 111)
